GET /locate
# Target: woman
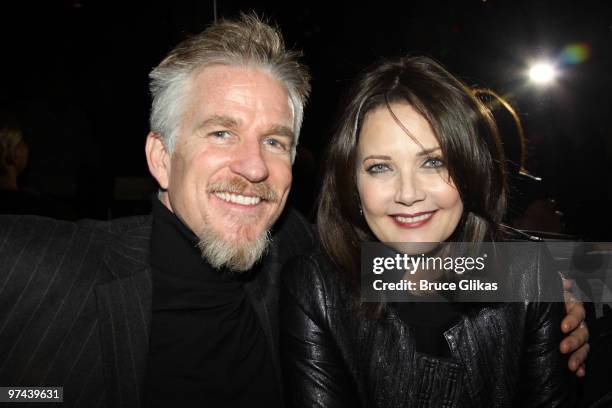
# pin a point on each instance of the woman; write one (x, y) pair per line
(415, 159)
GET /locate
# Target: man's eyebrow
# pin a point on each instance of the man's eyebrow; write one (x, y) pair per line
(377, 157)
(220, 120)
(280, 130)
(425, 152)
(232, 123)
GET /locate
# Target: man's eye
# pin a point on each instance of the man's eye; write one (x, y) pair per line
(434, 163)
(275, 143)
(377, 168)
(220, 134)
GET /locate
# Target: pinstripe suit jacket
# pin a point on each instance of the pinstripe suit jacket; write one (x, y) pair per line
(75, 303)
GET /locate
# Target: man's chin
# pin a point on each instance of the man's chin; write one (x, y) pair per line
(236, 252)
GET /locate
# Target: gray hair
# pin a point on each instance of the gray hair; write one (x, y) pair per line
(247, 41)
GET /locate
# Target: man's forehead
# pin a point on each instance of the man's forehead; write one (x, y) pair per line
(222, 78)
(228, 93)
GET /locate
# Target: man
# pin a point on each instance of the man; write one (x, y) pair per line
(175, 307)
(223, 159)
(181, 306)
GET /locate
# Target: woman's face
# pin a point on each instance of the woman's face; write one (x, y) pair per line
(405, 191)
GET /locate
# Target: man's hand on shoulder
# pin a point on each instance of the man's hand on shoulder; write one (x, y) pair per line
(573, 325)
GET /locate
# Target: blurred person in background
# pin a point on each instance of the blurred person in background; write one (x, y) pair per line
(14, 154)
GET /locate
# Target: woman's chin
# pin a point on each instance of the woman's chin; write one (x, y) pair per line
(414, 248)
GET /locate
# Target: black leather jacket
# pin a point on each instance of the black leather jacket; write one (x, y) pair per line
(334, 357)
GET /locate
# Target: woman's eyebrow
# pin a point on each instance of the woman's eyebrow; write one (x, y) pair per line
(425, 152)
(376, 157)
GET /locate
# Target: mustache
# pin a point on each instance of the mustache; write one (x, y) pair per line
(240, 186)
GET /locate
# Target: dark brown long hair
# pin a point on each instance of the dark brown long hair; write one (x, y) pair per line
(468, 138)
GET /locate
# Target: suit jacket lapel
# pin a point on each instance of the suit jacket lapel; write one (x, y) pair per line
(124, 310)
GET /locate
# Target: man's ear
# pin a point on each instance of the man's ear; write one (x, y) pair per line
(158, 159)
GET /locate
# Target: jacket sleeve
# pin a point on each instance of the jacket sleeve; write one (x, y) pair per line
(547, 381)
(314, 372)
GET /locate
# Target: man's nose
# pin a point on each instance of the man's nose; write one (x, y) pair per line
(249, 162)
(410, 190)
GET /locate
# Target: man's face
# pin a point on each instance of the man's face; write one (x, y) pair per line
(230, 172)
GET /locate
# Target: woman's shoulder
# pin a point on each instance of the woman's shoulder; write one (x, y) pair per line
(525, 254)
(531, 266)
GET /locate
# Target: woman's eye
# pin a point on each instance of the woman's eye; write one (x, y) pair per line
(434, 163)
(377, 168)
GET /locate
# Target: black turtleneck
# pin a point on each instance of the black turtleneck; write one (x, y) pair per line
(207, 347)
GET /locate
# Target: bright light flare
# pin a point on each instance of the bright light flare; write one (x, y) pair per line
(542, 73)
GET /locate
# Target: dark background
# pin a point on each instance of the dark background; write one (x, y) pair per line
(76, 74)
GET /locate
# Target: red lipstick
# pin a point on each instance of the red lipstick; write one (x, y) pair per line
(415, 220)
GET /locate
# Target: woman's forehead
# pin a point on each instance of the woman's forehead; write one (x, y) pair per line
(397, 126)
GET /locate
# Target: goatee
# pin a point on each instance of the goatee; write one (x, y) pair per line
(235, 256)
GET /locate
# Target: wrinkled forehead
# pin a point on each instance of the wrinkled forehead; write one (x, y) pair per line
(246, 82)
(244, 94)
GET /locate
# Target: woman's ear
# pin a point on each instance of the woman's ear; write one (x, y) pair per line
(158, 159)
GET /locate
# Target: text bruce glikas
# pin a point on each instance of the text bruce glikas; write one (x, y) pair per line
(411, 264)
